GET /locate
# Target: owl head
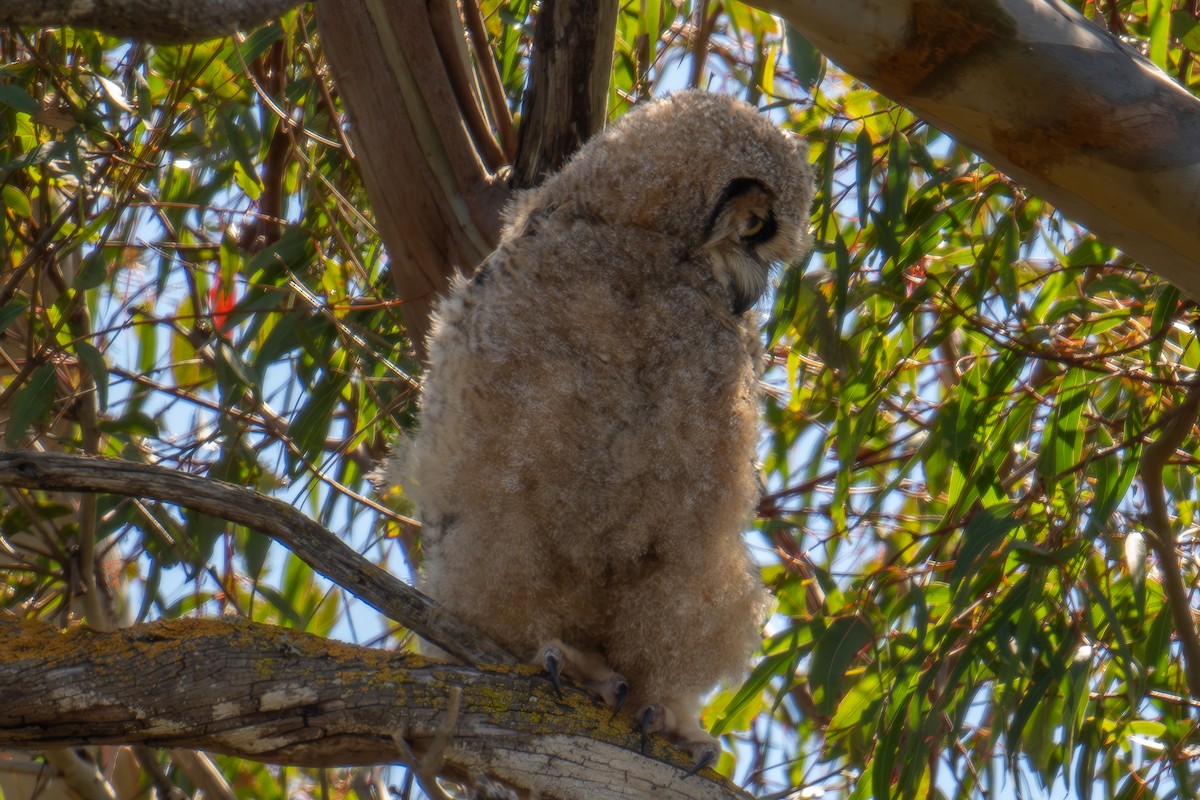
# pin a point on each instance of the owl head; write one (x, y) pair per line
(705, 170)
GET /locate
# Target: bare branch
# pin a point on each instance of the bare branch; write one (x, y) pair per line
(1052, 99)
(161, 21)
(315, 545)
(447, 27)
(1155, 457)
(269, 694)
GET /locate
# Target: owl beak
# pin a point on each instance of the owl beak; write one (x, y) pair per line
(742, 302)
(749, 281)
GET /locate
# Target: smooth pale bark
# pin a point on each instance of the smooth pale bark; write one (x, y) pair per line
(1047, 96)
(281, 696)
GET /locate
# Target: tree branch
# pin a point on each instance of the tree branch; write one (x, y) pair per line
(1052, 99)
(315, 545)
(489, 75)
(161, 21)
(566, 98)
(435, 203)
(1155, 457)
(280, 696)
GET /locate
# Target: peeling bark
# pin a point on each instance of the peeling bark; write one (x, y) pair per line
(280, 696)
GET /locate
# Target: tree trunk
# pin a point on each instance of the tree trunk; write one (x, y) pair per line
(566, 100)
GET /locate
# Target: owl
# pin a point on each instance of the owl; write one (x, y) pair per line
(584, 461)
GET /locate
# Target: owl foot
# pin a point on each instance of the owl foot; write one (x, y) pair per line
(662, 718)
(560, 659)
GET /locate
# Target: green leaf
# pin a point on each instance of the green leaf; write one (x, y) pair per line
(16, 97)
(96, 365)
(1186, 28)
(15, 200)
(12, 311)
(853, 721)
(980, 539)
(229, 358)
(835, 651)
(132, 425)
(1065, 432)
(31, 403)
(42, 153)
(92, 272)
(255, 45)
(1158, 15)
(311, 424)
(807, 62)
(864, 163)
(896, 185)
(247, 180)
(760, 678)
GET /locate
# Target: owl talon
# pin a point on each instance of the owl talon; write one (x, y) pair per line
(651, 719)
(552, 660)
(621, 694)
(704, 754)
(613, 689)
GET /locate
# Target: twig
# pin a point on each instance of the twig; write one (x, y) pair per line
(428, 768)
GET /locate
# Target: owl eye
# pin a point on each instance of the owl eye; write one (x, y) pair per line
(756, 224)
(758, 228)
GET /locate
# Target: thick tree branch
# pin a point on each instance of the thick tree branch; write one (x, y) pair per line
(566, 99)
(162, 21)
(316, 546)
(1053, 100)
(1155, 457)
(435, 203)
(281, 696)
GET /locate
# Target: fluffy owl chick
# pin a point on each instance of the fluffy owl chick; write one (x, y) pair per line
(584, 462)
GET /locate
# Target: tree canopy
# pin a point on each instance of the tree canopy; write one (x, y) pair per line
(978, 447)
